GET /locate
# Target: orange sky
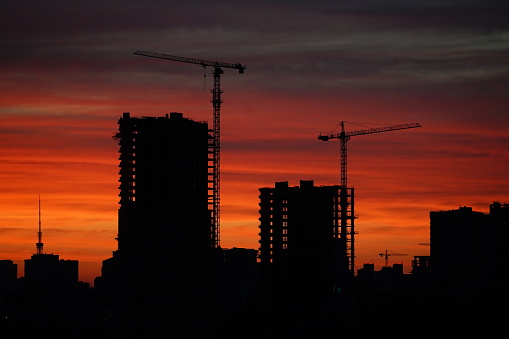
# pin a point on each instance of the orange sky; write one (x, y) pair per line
(67, 76)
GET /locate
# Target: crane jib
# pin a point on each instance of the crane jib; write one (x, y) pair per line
(346, 135)
(203, 63)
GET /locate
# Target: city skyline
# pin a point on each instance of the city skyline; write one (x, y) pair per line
(68, 74)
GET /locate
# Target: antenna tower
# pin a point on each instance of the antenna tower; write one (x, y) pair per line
(40, 244)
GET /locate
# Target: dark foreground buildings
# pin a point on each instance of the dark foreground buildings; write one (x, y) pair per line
(459, 290)
(465, 244)
(49, 272)
(48, 299)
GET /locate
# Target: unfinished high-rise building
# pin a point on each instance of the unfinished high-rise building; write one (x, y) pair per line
(165, 239)
(164, 208)
(304, 264)
(300, 238)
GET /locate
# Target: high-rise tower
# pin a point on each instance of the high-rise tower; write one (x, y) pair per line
(300, 239)
(165, 257)
(163, 187)
(303, 268)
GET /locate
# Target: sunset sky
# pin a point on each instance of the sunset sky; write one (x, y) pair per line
(68, 72)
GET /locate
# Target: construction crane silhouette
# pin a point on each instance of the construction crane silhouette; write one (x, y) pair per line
(344, 136)
(347, 231)
(387, 255)
(216, 137)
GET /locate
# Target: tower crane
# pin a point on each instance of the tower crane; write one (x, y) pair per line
(347, 232)
(216, 139)
(387, 255)
(345, 136)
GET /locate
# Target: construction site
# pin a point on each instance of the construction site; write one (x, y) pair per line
(169, 277)
(170, 204)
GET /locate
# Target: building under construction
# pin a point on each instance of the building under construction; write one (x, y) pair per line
(302, 226)
(166, 249)
(304, 262)
(163, 186)
(300, 236)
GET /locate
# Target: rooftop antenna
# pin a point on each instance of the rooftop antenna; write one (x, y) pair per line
(40, 244)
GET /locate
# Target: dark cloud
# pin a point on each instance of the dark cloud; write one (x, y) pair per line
(304, 45)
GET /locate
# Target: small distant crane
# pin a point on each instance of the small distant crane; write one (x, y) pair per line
(387, 255)
(216, 146)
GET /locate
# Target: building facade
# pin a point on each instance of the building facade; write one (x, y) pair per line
(300, 244)
(163, 187)
(465, 244)
(165, 257)
(304, 266)
(49, 272)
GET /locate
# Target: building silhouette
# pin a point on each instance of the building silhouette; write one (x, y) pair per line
(8, 272)
(239, 274)
(8, 279)
(302, 271)
(299, 236)
(457, 290)
(165, 265)
(465, 244)
(49, 272)
(48, 299)
(163, 186)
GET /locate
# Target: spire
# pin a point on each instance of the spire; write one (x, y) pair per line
(40, 244)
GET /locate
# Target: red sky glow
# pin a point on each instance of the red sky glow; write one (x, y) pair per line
(68, 72)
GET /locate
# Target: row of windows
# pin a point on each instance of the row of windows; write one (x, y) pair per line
(335, 216)
(284, 224)
(283, 208)
(284, 230)
(284, 245)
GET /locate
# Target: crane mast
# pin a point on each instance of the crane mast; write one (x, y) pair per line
(346, 196)
(216, 136)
